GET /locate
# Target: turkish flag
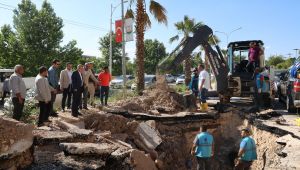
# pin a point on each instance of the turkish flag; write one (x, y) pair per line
(118, 30)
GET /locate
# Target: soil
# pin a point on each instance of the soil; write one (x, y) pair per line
(160, 98)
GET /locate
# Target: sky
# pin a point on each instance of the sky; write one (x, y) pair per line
(276, 22)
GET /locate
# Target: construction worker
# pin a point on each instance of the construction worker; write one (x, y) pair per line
(247, 152)
(204, 85)
(193, 86)
(203, 149)
(259, 79)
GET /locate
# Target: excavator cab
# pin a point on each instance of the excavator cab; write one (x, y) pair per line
(237, 56)
(240, 81)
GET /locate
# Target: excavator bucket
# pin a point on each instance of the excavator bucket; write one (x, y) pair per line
(216, 61)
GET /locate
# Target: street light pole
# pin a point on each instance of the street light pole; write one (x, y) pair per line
(297, 54)
(228, 34)
(123, 51)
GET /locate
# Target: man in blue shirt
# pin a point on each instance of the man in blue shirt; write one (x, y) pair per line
(194, 82)
(247, 153)
(53, 79)
(203, 149)
(258, 78)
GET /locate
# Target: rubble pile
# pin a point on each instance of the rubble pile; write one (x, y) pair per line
(161, 99)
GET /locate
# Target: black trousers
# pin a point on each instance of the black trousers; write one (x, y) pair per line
(104, 92)
(44, 111)
(5, 93)
(53, 98)
(66, 96)
(203, 163)
(77, 95)
(18, 108)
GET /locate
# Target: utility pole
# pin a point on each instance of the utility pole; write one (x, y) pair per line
(110, 40)
(112, 10)
(123, 51)
(297, 52)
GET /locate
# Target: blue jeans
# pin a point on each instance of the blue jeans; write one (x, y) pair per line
(203, 95)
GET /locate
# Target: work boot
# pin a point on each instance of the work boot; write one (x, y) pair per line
(204, 107)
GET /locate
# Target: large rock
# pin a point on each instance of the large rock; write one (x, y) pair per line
(44, 137)
(15, 140)
(141, 161)
(75, 130)
(102, 149)
(148, 135)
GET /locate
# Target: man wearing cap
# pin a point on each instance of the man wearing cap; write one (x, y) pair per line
(203, 149)
(247, 153)
(194, 82)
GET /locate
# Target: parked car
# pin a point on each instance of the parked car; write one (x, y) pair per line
(289, 90)
(117, 82)
(180, 79)
(148, 79)
(170, 78)
(277, 76)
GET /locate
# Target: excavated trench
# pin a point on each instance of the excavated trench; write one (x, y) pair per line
(177, 141)
(155, 131)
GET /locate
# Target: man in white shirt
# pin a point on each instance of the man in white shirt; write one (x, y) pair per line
(204, 85)
(43, 94)
(18, 91)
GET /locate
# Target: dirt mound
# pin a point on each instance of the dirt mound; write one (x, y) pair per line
(161, 98)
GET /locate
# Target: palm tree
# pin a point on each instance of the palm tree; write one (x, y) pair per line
(143, 22)
(186, 27)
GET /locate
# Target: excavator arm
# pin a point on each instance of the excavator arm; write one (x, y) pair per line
(215, 58)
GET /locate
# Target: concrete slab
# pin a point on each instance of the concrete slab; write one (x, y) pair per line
(44, 137)
(101, 149)
(149, 136)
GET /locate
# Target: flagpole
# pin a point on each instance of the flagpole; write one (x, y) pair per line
(123, 52)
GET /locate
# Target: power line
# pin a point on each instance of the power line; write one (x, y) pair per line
(6, 8)
(7, 5)
(67, 21)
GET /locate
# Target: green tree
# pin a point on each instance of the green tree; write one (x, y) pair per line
(154, 52)
(186, 28)
(10, 48)
(70, 53)
(39, 33)
(116, 53)
(142, 21)
(275, 60)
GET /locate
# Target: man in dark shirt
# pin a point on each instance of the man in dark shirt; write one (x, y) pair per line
(77, 87)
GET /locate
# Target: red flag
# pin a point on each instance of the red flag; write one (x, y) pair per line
(118, 30)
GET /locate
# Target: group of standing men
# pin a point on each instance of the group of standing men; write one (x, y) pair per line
(76, 87)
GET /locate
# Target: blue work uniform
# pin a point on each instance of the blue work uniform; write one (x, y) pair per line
(204, 143)
(194, 84)
(249, 146)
